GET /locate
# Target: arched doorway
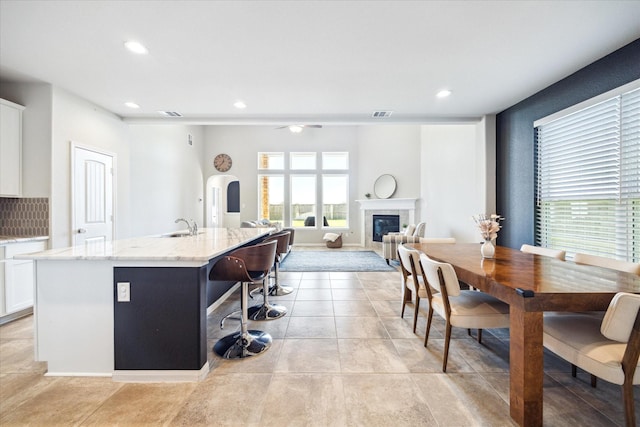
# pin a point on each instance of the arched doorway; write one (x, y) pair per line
(222, 201)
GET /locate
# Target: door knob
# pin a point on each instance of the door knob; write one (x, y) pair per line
(82, 230)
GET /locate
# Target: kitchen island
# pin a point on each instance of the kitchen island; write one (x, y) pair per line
(131, 309)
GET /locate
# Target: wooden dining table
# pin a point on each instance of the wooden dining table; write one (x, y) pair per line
(531, 284)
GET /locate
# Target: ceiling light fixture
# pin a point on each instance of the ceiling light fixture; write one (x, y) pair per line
(136, 47)
(240, 105)
(443, 93)
(131, 105)
(295, 128)
(170, 113)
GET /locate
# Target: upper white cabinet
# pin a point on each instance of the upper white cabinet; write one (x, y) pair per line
(10, 149)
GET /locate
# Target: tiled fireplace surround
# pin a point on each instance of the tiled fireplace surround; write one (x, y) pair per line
(405, 208)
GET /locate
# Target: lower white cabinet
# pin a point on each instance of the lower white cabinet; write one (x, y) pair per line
(17, 276)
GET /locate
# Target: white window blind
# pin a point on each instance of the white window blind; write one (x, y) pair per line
(588, 179)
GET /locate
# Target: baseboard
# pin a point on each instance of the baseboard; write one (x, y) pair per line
(150, 376)
(14, 316)
(217, 303)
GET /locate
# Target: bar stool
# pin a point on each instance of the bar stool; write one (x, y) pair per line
(284, 240)
(250, 264)
(267, 311)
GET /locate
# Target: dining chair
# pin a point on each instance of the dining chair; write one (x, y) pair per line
(460, 308)
(437, 240)
(412, 281)
(614, 264)
(538, 250)
(607, 348)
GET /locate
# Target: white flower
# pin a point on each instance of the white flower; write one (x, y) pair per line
(489, 225)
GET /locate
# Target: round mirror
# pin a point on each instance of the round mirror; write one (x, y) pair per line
(385, 186)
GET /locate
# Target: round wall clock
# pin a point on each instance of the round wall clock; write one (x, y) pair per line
(222, 162)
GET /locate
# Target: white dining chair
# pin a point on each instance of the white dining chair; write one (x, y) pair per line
(460, 308)
(437, 240)
(607, 348)
(413, 285)
(538, 250)
(614, 264)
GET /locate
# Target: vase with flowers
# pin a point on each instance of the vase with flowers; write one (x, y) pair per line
(488, 225)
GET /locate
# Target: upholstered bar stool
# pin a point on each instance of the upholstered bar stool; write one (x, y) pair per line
(250, 264)
(268, 311)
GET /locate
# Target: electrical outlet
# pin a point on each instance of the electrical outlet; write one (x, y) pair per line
(124, 291)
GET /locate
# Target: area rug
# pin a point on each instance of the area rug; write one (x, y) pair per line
(334, 261)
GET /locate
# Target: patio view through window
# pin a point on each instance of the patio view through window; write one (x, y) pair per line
(307, 187)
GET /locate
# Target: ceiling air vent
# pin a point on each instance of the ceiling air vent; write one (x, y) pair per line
(170, 113)
(381, 114)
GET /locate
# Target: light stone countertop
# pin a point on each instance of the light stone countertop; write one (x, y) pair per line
(5, 240)
(208, 244)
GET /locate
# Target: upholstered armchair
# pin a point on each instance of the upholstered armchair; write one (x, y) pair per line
(391, 241)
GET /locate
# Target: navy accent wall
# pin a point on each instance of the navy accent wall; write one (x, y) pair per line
(515, 197)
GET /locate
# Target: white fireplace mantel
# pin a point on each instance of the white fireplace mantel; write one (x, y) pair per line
(369, 207)
(381, 204)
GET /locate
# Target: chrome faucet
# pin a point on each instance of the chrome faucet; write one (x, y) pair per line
(193, 229)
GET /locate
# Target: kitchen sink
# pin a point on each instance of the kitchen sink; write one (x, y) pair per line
(179, 234)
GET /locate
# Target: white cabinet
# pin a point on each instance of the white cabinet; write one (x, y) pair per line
(17, 276)
(10, 149)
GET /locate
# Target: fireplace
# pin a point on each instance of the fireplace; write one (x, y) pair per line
(404, 208)
(383, 224)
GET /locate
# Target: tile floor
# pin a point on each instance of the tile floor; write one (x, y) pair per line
(342, 356)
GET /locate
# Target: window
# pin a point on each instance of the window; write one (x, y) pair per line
(271, 161)
(335, 199)
(298, 195)
(271, 187)
(303, 200)
(303, 161)
(338, 161)
(271, 198)
(588, 177)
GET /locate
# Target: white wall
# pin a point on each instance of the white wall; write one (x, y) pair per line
(243, 143)
(457, 178)
(389, 149)
(36, 134)
(160, 177)
(77, 120)
(373, 151)
(166, 177)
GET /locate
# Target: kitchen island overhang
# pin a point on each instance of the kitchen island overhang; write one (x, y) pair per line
(84, 328)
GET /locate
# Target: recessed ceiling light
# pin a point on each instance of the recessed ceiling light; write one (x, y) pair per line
(131, 105)
(136, 47)
(295, 128)
(240, 105)
(443, 93)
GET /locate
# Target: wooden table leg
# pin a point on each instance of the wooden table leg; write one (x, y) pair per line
(526, 367)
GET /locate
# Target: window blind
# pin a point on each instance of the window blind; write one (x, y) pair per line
(588, 179)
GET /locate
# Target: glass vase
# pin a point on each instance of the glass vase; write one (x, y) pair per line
(487, 249)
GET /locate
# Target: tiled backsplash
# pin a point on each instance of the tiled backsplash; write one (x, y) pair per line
(24, 217)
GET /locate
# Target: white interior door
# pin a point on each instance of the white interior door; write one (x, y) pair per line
(92, 196)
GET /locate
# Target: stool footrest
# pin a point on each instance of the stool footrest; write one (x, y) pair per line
(239, 346)
(236, 315)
